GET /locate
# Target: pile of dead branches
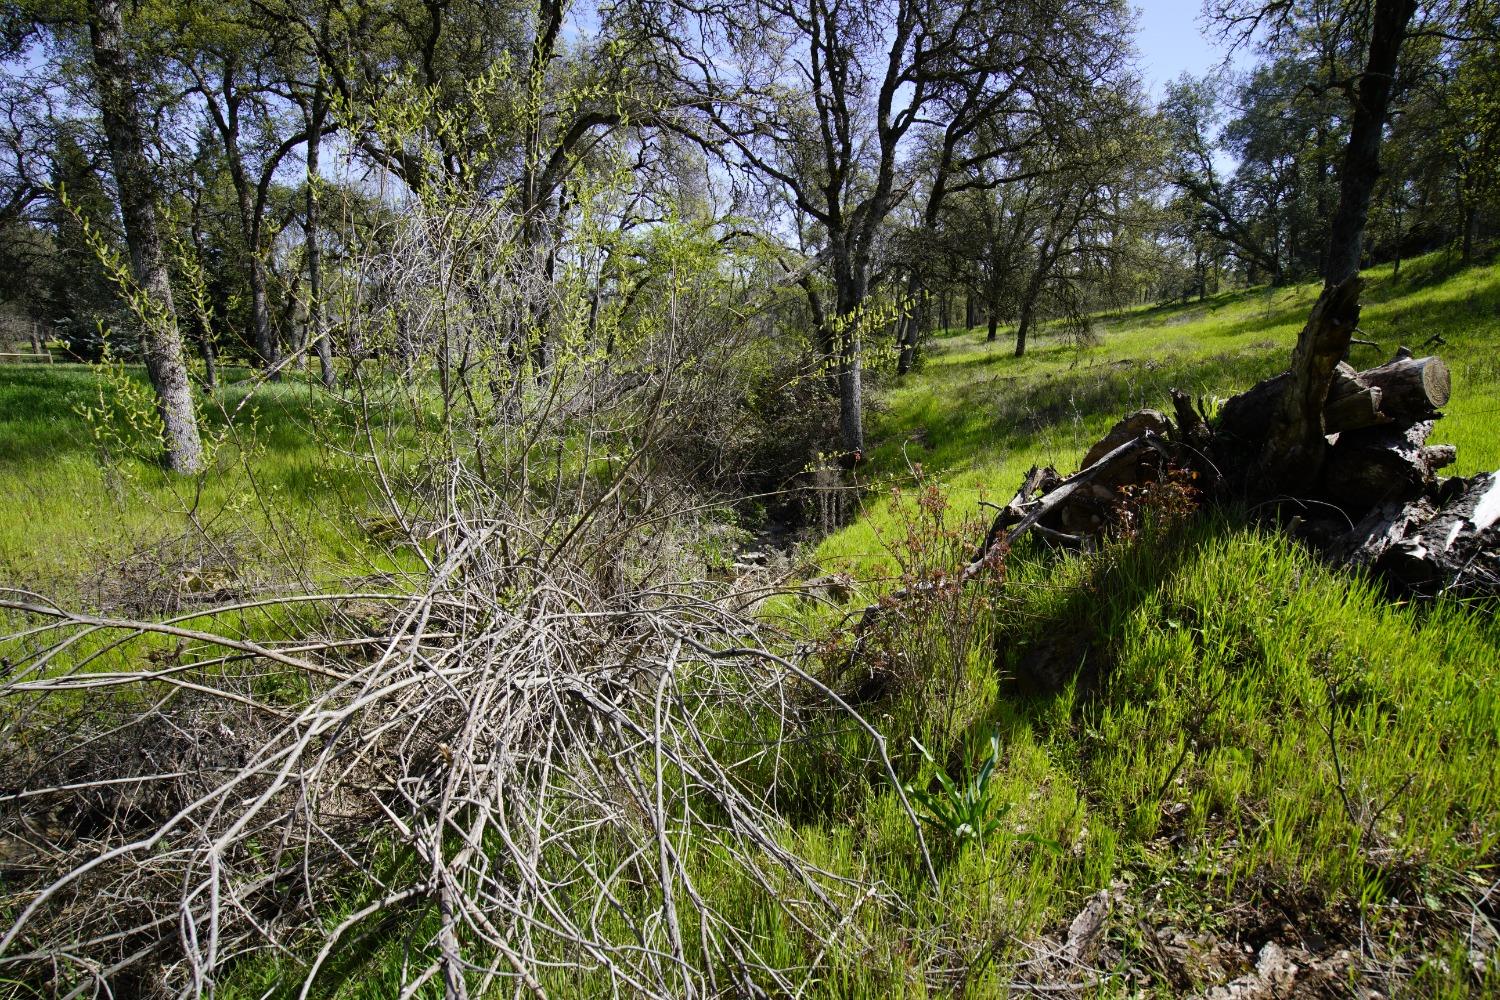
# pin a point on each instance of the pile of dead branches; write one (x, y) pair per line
(520, 772)
(506, 767)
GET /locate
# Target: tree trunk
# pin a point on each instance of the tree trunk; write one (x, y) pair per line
(994, 327)
(1295, 443)
(317, 328)
(162, 342)
(1028, 302)
(1361, 167)
(201, 317)
(850, 375)
(911, 325)
(260, 302)
(851, 403)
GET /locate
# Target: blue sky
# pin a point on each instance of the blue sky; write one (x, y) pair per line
(1170, 41)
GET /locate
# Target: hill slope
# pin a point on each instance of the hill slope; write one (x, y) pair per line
(1244, 747)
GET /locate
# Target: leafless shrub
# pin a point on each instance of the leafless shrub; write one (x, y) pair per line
(551, 765)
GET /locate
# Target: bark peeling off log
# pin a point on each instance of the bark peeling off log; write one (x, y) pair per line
(1371, 466)
(1452, 549)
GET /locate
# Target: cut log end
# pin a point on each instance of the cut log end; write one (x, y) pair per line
(1437, 382)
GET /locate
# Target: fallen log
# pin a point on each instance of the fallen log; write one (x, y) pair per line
(1402, 390)
(1430, 546)
(1411, 388)
(1378, 464)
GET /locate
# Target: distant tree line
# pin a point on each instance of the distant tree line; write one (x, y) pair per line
(183, 180)
(1254, 161)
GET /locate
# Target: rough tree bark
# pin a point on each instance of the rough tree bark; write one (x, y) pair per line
(1028, 301)
(1295, 443)
(315, 322)
(205, 338)
(850, 294)
(1361, 168)
(161, 340)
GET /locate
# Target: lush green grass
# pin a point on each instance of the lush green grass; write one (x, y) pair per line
(1240, 731)
(1194, 774)
(87, 500)
(1246, 744)
(979, 417)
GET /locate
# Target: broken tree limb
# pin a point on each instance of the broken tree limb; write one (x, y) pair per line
(1117, 459)
(1035, 479)
(1192, 429)
(1002, 535)
(1294, 443)
(1423, 546)
(1354, 410)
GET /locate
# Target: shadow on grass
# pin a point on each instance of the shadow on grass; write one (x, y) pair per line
(1069, 634)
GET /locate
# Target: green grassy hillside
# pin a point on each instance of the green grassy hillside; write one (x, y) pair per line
(979, 417)
(92, 512)
(1247, 746)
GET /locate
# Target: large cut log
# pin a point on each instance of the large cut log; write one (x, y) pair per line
(1369, 467)
(1403, 390)
(1411, 388)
